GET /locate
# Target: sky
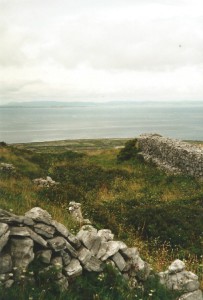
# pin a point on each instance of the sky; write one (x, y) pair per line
(93, 50)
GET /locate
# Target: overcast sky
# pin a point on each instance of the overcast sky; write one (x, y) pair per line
(101, 50)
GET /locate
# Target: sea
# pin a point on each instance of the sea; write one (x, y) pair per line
(38, 123)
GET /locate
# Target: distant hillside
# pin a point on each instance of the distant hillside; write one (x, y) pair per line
(47, 104)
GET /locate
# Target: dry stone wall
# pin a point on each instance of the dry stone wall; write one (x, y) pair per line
(36, 236)
(172, 155)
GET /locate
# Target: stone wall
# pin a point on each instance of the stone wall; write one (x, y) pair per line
(37, 237)
(172, 155)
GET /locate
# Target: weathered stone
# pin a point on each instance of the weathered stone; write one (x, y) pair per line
(85, 229)
(176, 266)
(102, 249)
(93, 264)
(74, 241)
(21, 251)
(84, 255)
(60, 228)
(142, 270)
(44, 230)
(88, 238)
(9, 218)
(66, 257)
(8, 283)
(19, 231)
(40, 215)
(70, 249)
(96, 245)
(58, 243)
(119, 261)
(37, 238)
(75, 211)
(112, 248)
(5, 263)
(57, 262)
(4, 239)
(106, 235)
(3, 228)
(74, 268)
(28, 221)
(196, 295)
(45, 183)
(181, 281)
(44, 256)
(130, 252)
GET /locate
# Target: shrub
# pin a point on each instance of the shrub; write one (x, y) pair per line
(129, 151)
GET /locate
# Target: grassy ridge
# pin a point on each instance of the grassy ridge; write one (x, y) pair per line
(160, 214)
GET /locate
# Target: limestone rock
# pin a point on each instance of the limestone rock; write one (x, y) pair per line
(130, 253)
(74, 240)
(4, 239)
(8, 283)
(87, 237)
(28, 221)
(21, 251)
(10, 218)
(112, 248)
(196, 295)
(93, 264)
(44, 256)
(72, 251)
(75, 211)
(176, 266)
(119, 261)
(40, 215)
(102, 249)
(65, 257)
(58, 243)
(60, 228)
(37, 238)
(74, 269)
(3, 228)
(57, 262)
(44, 230)
(84, 255)
(106, 235)
(5, 263)
(181, 281)
(45, 183)
(19, 231)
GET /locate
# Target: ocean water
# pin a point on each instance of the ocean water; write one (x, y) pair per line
(31, 124)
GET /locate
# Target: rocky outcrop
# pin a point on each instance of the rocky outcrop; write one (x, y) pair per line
(45, 183)
(76, 212)
(37, 237)
(7, 168)
(172, 155)
(176, 278)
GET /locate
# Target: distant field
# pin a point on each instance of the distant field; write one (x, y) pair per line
(81, 144)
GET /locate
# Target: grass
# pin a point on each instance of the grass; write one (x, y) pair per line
(160, 214)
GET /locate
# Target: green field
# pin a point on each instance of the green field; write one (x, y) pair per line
(158, 213)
